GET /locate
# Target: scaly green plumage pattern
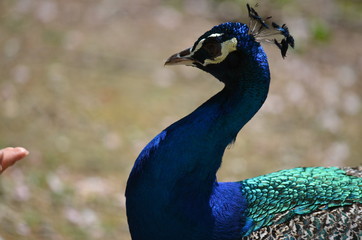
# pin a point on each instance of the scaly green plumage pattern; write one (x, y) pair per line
(277, 197)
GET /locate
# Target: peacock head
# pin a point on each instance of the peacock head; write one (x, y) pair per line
(230, 47)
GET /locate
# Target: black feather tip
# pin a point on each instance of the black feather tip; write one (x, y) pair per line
(275, 34)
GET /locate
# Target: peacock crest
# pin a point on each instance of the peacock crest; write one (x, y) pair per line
(273, 33)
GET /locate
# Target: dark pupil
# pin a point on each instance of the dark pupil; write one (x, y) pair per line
(214, 49)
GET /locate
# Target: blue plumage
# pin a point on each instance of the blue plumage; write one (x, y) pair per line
(172, 192)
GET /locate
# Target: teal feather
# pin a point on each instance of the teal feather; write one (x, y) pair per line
(276, 198)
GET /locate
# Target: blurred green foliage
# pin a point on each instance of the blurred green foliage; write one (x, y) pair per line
(83, 87)
(321, 32)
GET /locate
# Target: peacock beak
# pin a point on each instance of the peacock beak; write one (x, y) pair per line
(182, 58)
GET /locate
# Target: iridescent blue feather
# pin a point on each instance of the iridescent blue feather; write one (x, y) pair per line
(172, 192)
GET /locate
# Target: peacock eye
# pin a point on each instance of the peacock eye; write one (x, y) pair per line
(213, 48)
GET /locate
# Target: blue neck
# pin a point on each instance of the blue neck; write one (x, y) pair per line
(170, 187)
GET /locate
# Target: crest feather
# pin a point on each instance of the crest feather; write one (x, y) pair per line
(274, 33)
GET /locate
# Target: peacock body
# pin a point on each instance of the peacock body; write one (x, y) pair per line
(172, 191)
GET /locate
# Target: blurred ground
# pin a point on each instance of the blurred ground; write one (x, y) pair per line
(83, 87)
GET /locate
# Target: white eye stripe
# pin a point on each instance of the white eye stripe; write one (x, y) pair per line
(199, 44)
(226, 48)
(215, 35)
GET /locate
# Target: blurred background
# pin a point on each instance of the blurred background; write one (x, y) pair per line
(83, 87)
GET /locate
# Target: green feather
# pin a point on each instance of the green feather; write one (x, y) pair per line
(277, 197)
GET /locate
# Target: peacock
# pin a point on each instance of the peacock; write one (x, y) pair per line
(172, 192)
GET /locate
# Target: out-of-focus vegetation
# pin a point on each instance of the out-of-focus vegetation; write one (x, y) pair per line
(83, 87)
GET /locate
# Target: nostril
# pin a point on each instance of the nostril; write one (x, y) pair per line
(185, 52)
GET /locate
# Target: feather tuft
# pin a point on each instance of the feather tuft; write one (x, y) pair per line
(274, 34)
